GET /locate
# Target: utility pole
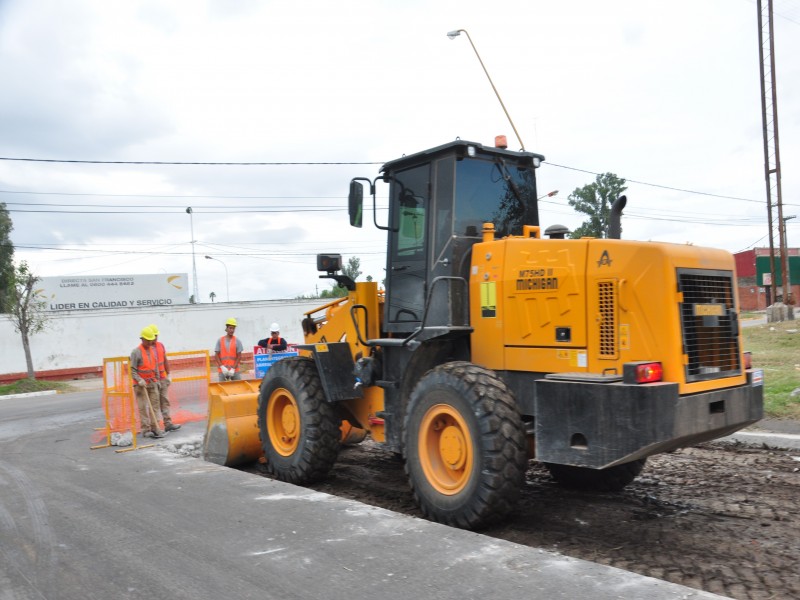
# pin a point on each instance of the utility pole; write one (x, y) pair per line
(772, 155)
(194, 264)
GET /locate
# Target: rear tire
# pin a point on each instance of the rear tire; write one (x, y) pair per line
(612, 479)
(464, 446)
(299, 430)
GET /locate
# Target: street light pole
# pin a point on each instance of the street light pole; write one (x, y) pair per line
(194, 264)
(453, 35)
(227, 289)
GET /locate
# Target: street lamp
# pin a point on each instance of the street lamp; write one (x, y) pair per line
(453, 35)
(548, 195)
(194, 264)
(227, 289)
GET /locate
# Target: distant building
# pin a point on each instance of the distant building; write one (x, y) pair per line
(753, 273)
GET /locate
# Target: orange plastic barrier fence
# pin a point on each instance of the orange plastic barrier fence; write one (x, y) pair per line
(188, 394)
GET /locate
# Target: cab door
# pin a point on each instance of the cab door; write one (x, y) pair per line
(407, 266)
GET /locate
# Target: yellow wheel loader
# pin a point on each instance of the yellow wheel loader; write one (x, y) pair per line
(495, 342)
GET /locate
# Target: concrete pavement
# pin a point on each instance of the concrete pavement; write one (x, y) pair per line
(150, 523)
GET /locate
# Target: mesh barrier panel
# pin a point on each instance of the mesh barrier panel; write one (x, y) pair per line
(188, 393)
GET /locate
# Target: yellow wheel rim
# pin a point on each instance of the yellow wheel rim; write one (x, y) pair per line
(446, 451)
(283, 422)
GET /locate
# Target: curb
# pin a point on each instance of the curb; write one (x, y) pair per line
(781, 441)
(30, 394)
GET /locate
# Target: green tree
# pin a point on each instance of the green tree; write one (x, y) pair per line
(6, 258)
(595, 200)
(335, 291)
(353, 268)
(27, 309)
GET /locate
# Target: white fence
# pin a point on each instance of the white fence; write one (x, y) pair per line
(78, 339)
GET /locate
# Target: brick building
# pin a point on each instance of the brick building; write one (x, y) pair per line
(751, 265)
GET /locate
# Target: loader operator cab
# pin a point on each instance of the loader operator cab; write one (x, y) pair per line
(439, 200)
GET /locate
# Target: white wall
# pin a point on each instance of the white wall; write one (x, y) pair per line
(82, 338)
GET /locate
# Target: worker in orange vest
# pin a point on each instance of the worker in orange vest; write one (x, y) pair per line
(228, 353)
(146, 377)
(164, 382)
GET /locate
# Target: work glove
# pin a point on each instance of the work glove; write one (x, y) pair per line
(169, 379)
(142, 383)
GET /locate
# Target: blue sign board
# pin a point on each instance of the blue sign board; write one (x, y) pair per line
(264, 361)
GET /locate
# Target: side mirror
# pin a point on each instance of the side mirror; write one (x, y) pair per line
(355, 203)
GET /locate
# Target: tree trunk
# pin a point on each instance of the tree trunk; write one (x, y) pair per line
(26, 344)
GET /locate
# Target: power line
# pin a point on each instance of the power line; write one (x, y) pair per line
(166, 196)
(277, 163)
(176, 162)
(223, 210)
(656, 185)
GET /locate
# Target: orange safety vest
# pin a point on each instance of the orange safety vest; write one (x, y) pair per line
(162, 352)
(147, 370)
(227, 354)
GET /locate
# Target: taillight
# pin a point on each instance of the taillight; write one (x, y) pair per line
(642, 372)
(748, 360)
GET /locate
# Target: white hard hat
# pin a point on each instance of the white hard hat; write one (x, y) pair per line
(274, 327)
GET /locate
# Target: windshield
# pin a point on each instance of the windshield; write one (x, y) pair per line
(493, 191)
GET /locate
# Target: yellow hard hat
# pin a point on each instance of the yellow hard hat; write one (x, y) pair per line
(147, 334)
(231, 321)
(154, 329)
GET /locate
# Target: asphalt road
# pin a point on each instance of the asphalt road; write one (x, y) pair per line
(77, 523)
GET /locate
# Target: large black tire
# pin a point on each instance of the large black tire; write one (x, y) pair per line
(611, 479)
(464, 446)
(299, 430)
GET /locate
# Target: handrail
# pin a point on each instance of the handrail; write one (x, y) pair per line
(401, 342)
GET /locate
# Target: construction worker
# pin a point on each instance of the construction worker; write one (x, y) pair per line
(146, 377)
(274, 343)
(164, 382)
(228, 353)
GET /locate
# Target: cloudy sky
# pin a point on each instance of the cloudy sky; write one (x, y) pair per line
(663, 94)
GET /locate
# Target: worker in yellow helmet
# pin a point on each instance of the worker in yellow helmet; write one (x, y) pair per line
(164, 382)
(228, 353)
(146, 377)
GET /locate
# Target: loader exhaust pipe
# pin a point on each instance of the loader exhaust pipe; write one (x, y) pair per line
(615, 218)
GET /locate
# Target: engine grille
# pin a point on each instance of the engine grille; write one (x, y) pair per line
(608, 322)
(709, 320)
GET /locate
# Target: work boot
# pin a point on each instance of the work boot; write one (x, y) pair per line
(158, 434)
(172, 427)
(148, 434)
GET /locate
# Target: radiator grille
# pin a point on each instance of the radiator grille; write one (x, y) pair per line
(710, 324)
(606, 294)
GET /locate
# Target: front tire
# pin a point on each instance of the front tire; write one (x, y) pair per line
(299, 430)
(464, 446)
